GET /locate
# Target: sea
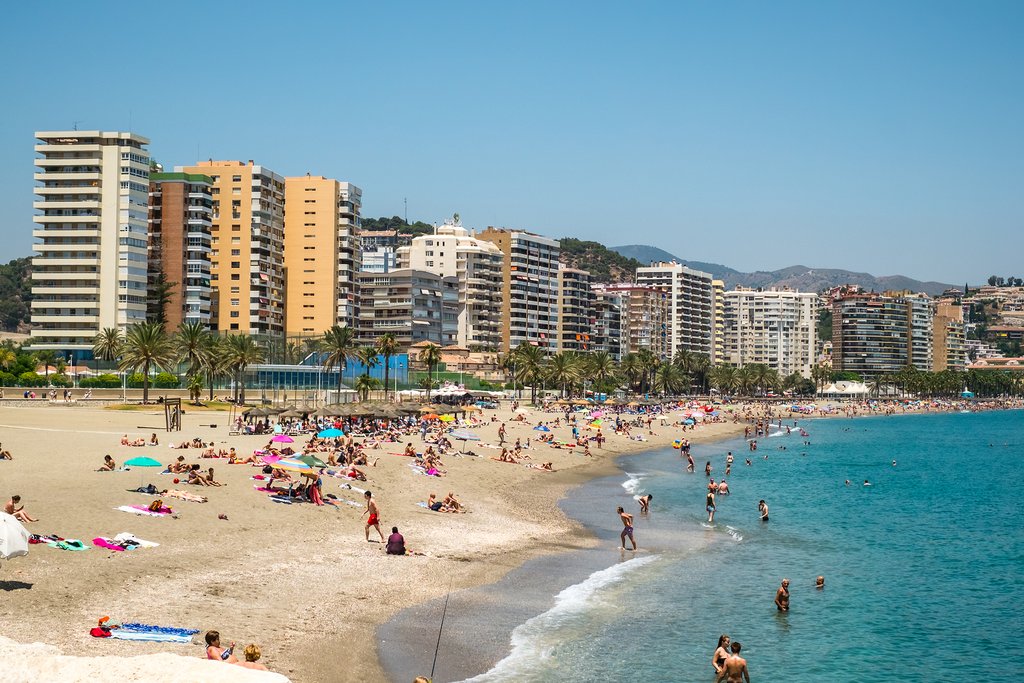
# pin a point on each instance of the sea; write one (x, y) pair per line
(924, 567)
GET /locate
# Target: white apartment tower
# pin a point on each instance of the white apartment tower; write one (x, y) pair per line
(89, 272)
(777, 328)
(691, 305)
(452, 251)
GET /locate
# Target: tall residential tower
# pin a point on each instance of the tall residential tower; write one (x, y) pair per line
(89, 272)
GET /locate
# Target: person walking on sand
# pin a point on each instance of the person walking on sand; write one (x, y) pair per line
(374, 519)
(501, 434)
(735, 668)
(782, 596)
(627, 528)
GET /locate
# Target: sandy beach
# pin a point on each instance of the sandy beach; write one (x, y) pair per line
(299, 580)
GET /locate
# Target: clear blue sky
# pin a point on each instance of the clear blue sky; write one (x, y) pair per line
(885, 137)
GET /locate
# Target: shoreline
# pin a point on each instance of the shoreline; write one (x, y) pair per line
(295, 579)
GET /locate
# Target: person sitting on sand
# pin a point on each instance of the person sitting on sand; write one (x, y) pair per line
(210, 481)
(153, 441)
(252, 656)
(18, 512)
(395, 543)
(5, 455)
(125, 441)
(433, 503)
(353, 473)
(410, 450)
(179, 466)
(108, 464)
(196, 477)
(216, 652)
(452, 503)
(546, 466)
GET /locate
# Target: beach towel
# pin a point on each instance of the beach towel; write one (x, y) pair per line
(153, 634)
(353, 488)
(125, 537)
(282, 499)
(141, 510)
(352, 503)
(69, 544)
(108, 544)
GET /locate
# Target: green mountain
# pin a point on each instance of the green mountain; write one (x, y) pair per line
(603, 263)
(15, 293)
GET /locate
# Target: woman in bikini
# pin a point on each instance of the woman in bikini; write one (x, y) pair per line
(108, 464)
(721, 653)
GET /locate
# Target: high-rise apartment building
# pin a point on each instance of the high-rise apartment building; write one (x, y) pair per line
(575, 310)
(718, 326)
(691, 301)
(644, 317)
(777, 328)
(247, 261)
(413, 305)
(529, 306)
(89, 271)
(321, 254)
(875, 334)
(949, 348)
(180, 211)
(607, 321)
(476, 266)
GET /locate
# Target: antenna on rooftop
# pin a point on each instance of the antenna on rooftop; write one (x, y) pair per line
(74, 124)
(405, 202)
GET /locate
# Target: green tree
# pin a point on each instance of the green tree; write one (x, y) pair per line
(631, 370)
(600, 366)
(239, 352)
(430, 356)
(193, 344)
(364, 385)
(107, 344)
(339, 344)
(723, 378)
(565, 369)
(529, 360)
(387, 346)
(669, 379)
(158, 298)
(46, 358)
(7, 357)
(146, 346)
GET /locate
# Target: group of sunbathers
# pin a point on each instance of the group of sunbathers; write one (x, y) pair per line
(449, 504)
(141, 441)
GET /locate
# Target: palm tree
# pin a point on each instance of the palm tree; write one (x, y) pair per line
(601, 367)
(240, 351)
(648, 365)
(387, 346)
(292, 352)
(107, 344)
(530, 361)
(565, 369)
(365, 384)
(47, 358)
(195, 387)
(723, 377)
(745, 380)
(631, 370)
(146, 346)
(700, 371)
(213, 361)
(878, 383)
(431, 356)
(339, 343)
(192, 343)
(669, 378)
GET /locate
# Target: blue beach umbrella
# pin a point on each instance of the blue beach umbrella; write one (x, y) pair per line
(465, 435)
(330, 433)
(541, 428)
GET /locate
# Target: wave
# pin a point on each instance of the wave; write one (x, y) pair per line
(632, 485)
(530, 647)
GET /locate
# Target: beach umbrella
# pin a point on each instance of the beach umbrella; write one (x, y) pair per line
(597, 423)
(283, 438)
(142, 462)
(430, 416)
(330, 433)
(13, 537)
(311, 460)
(597, 413)
(465, 435)
(445, 418)
(541, 428)
(292, 465)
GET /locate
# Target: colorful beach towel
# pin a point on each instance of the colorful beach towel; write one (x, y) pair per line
(142, 510)
(68, 544)
(153, 634)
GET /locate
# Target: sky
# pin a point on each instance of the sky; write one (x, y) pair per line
(873, 136)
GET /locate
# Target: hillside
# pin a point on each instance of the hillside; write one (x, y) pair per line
(15, 293)
(797, 277)
(603, 263)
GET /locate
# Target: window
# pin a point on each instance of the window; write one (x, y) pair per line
(234, 276)
(235, 240)
(236, 252)
(234, 326)
(234, 302)
(236, 178)
(236, 228)
(236, 264)
(234, 314)
(234, 290)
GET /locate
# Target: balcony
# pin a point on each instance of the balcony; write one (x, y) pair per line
(73, 231)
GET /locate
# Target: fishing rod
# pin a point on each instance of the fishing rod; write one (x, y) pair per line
(441, 627)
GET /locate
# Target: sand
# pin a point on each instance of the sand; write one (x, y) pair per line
(299, 580)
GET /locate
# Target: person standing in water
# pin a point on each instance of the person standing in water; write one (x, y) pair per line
(782, 596)
(710, 506)
(645, 503)
(627, 528)
(735, 668)
(762, 508)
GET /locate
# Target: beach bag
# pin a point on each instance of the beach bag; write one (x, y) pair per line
(156, 505)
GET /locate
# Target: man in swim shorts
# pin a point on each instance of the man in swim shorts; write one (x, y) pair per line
(627, 528)
(782, 596)
(374, 519)
(762, 508)
(735, 668)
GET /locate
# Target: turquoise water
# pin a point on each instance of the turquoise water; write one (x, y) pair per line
(923, 568)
